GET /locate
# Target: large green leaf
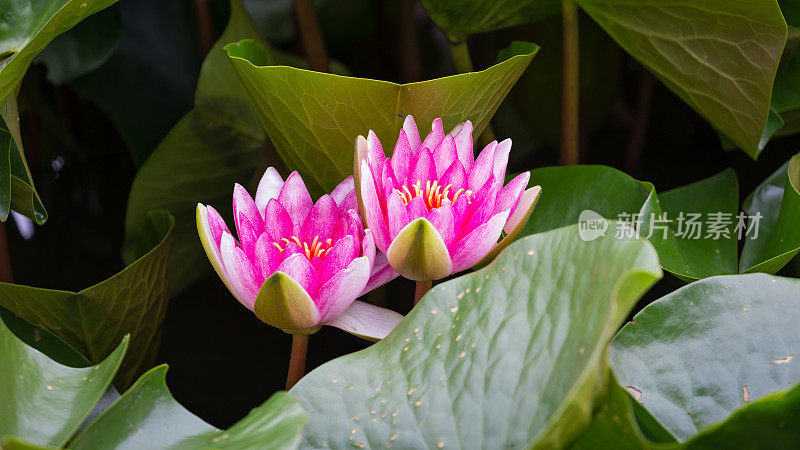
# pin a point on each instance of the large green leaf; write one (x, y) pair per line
(568, 191)
(218, 143)
(148, 416)
(314, 118)
(83, 48)
(93, 320)
(509, 356)
(42, 401)
(25, 30)
(709, 348)
(777, 200)
(720, 56)
(461, 18)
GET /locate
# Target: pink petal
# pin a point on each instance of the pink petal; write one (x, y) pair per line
(342, 190)
(483, 206)
(410, 128)
(299, 268)
(216, 225)
(349, 202)
(372, 208)
(366, 321)
(443, 219)
(241, 273)
(396, 214)
(402, 158)
(344, 250)
(268, 188)
(375, 155)
(424, 168)
(482, 168)
(292, 249)
(336, 294)
(320, 220)
(267, 257)
(508, 197)
(278, 224)
(368, 246)
(435, 136)
(463, 141)
(382, 273)
(416, 208)
(209, 245)
(444, 155)
(526, 201)
(501, 159)
(456, 176)
(243, 205)
(295, 198)
(248, 235)
(474, 246)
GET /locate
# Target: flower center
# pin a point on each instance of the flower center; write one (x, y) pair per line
(317, 248)
(433, 193)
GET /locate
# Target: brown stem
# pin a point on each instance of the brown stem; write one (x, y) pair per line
(641, 121)
(421, 288)
(205, 25)
(297, 362)
(569, 85)
(409, 51)
(6, 275)
(313, 45)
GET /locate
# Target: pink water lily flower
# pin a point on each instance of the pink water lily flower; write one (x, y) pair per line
(433, 208)
(297, 264)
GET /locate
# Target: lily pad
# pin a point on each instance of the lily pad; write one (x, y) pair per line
(702, 352)
(529, 329)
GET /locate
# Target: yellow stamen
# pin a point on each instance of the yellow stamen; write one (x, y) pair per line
(434, 195)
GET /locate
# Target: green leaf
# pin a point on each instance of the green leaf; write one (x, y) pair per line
(700, 353)
(314, 118)
(26, 31)
(509, 356)
(83, 48)
(719, 57)
(568, 191)
(16, 183)
(710, 254)
(93, 320)
(218, 143)
(148, 415)
(42, 401)
(777, 200)
(462, 18)
(42, 340)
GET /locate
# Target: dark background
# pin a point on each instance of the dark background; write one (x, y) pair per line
(223, 361)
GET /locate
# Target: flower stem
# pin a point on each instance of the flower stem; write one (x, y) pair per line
(313, 45)
(422, 287)
(407, 35)
(463, 64)
(297, 362)
(205, 25)
(5, 257)
(569, 85)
